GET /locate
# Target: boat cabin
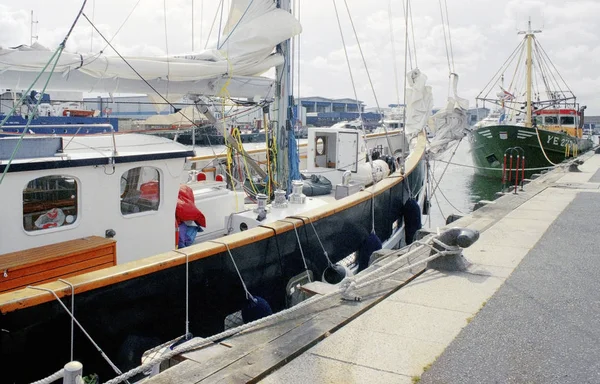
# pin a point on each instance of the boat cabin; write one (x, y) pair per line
(559, 120)
(334, 151)
(59, 189)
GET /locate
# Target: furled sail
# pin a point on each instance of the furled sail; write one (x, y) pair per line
(450, 123)
(252, 31)
(419, 102)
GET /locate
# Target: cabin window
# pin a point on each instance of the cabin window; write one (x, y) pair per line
(567, 120)
(50, 202)
(140, 190)
(550, 120)
(321, 144)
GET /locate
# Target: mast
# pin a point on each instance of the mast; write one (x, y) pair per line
(281, 107)
(529, 35)
(31, 30)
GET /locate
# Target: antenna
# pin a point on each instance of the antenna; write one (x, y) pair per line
(31, 31)
(529, 30)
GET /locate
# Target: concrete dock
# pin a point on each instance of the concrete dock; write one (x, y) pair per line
(527, 310)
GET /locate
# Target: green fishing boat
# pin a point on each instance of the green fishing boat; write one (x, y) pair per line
(533, 126)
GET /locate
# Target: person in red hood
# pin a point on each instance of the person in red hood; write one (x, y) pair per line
(187, 211)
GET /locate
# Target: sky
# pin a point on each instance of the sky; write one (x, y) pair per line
(483, 33)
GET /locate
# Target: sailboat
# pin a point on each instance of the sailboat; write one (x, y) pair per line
(88, 236)
(533, 127)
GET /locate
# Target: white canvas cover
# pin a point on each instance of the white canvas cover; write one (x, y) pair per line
(419, 102)
(450, 123)
(252, 31)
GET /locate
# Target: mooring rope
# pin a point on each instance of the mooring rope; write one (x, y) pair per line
(248, 294)
(52, 378)
(300, 245)
(316, 234)
(73, 312)
(113, 366)
(195, 344)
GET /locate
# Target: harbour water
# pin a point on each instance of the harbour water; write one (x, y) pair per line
(460, 188)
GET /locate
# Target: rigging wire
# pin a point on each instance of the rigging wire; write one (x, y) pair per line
(212, 26)
(220, 23)
(395, 67)
(167, 45)
(449, 36)
(445, 37)
(406, 52)
(56, 57)
(412, 27)
(407, 48)
(368, 76)
(502, 68)
(220, 45)
(92, 29)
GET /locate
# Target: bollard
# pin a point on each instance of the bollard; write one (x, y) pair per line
(455, 239)
(73, 373)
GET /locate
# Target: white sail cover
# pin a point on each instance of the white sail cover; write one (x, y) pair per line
(252, 31)
(419, 102)
(450, 123)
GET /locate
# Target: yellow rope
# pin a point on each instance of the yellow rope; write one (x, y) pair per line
(542, 147)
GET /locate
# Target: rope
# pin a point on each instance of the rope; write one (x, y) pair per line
(133, 69)
(14, 153)
(235, 26)
(447, 165)
(73, 312)
(300, 245)
(445, 198)
(112, 365)
(52, 378)
(492, 169)
(248, 295)
(368, 74)
(412, 28)
(445, 37)
(167, 45)
(212, 25)
(449, 36)
(195, 344)
(316, 234)
(187, 291)
(407, 47)
(542, 147)
(393, 53)
(352, 80)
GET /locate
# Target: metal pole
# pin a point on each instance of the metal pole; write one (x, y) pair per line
(282, 101)
(192, 25)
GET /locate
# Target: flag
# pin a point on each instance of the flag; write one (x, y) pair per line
(507, 95)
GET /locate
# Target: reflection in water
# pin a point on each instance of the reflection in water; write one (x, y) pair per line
(482, 188)
(459, 188)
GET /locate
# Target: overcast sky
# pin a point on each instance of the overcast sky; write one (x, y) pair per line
(483, 32)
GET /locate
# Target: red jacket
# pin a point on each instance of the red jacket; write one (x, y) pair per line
(186, 207)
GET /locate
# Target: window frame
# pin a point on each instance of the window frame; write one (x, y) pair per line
(160, 194)
(42, 231)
